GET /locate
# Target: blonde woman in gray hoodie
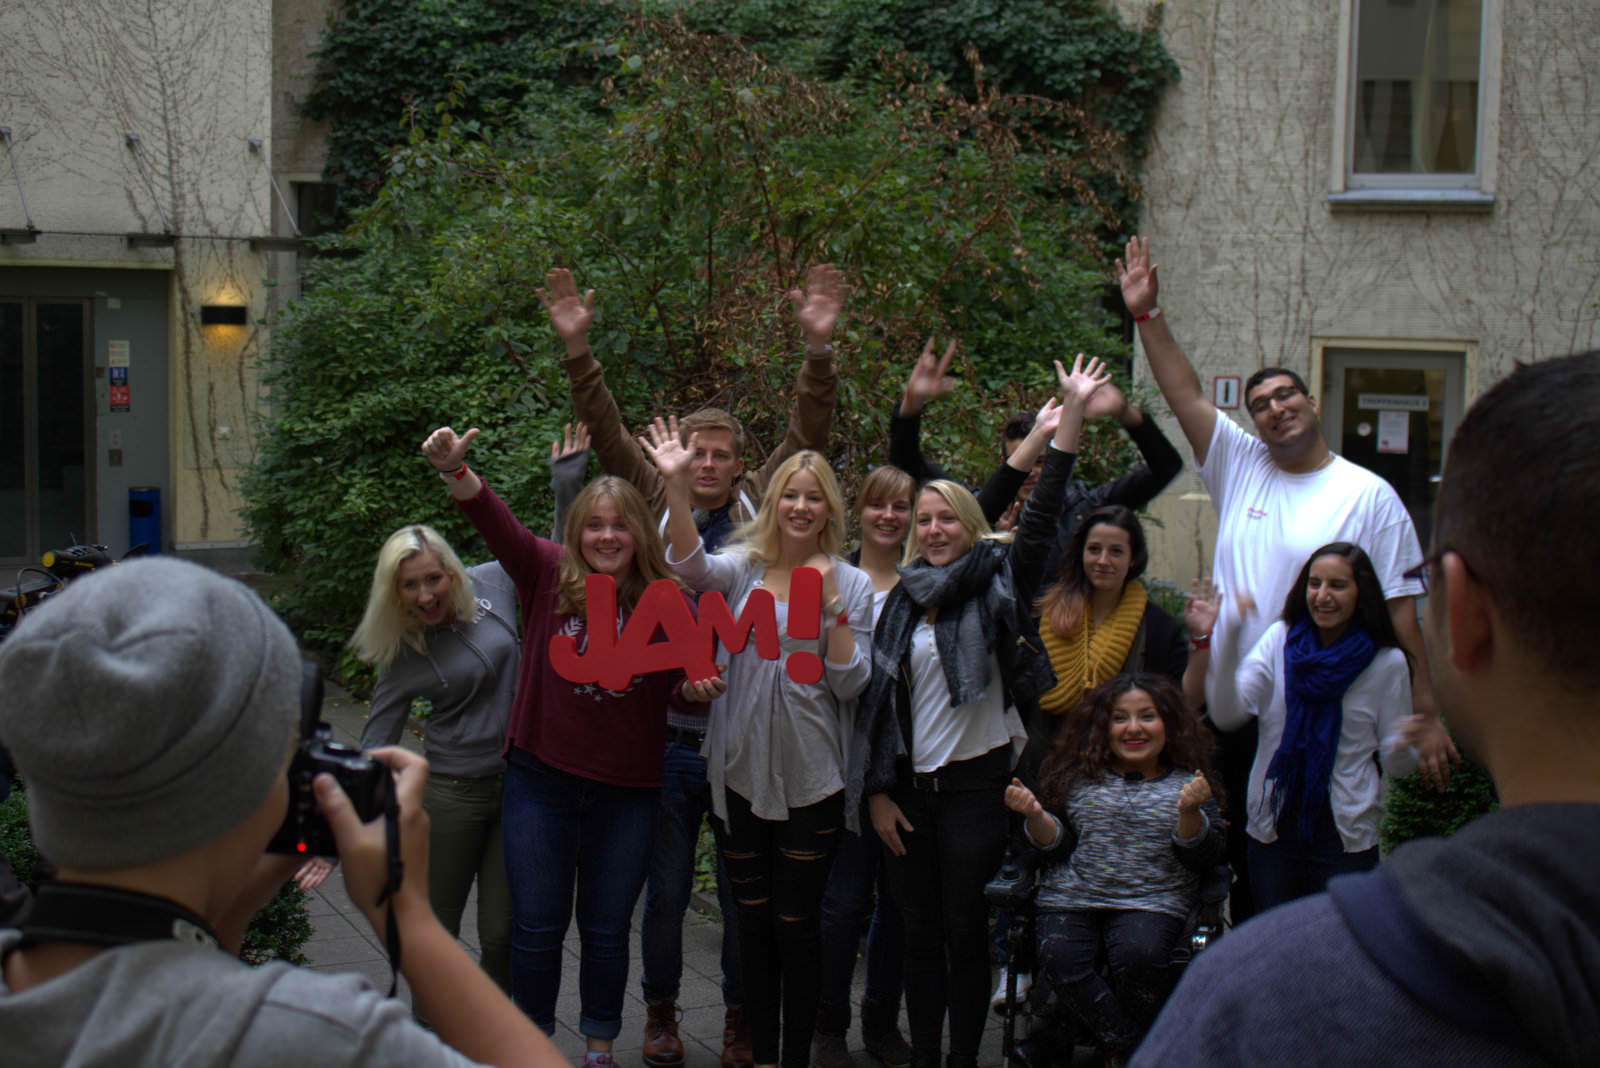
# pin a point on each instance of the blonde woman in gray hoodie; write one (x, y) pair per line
(447, 634)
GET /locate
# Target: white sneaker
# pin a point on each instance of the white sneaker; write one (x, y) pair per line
(997, 1000)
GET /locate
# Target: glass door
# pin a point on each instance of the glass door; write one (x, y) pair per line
(1392, 412)
(46, 443)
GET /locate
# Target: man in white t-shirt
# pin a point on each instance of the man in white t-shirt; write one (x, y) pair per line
(1280, 496)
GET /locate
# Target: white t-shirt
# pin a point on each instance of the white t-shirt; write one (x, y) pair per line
(1269, 522)
(941, 734)
(1375, 707)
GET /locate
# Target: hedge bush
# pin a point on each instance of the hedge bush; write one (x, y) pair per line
(277, 933)
(1417, 810)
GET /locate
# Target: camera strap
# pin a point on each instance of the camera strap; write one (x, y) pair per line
(391, 886)
(102, 916)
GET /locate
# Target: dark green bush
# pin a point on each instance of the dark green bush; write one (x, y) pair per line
(16, 841)
(277, 933)
(1416, 810)
(702, 189)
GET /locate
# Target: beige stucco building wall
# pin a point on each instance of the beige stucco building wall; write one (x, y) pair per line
(195, 80)
(1257, 269)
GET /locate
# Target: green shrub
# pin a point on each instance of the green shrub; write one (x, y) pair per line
(16, 841)
(703, 189)
(277, 933)
(279, 930)
(1416, 810)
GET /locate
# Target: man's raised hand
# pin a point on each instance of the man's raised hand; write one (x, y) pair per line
(569, 315)
(817, 305)
(1137, 277)
(671, 455)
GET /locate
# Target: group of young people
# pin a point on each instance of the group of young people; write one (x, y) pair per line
(153, 712)
(981, 652)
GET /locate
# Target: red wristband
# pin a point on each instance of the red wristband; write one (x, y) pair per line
(1201, 642)
(1153, 313)
(454, 476)
(843, 620)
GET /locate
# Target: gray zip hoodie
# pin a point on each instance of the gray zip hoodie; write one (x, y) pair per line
(469, 673)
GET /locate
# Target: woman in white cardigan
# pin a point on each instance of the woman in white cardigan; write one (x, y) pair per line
(1331, 687)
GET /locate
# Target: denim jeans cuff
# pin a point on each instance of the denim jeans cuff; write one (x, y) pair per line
(589, 1027)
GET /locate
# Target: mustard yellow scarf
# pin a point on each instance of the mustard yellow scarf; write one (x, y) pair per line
(1094, 654)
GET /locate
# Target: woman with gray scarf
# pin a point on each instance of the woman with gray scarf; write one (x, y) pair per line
(952, 649)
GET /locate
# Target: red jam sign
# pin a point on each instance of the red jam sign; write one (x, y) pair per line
(611, 659)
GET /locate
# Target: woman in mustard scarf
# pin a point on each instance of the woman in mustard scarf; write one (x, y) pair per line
(1097, 621)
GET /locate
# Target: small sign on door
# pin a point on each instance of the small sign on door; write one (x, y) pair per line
(1394, 430)
(1225, 391)
(121, 398)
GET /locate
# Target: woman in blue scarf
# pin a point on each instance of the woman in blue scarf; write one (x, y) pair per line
(1332, 689)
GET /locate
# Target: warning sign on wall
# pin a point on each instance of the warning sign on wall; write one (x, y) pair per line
(121, 398)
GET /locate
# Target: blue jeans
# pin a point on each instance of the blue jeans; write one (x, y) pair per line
(847, 905)
(561, 829)
(1294, 866)
(685, 799)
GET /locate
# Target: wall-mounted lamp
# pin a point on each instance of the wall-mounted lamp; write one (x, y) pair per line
(223, 315)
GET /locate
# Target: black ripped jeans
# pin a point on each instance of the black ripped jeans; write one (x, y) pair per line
(778, 869)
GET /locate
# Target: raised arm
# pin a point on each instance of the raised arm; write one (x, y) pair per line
(569, 462)
(516, 547)
(1173, 373)
(929, 379)
(1031, 553)
(1199, 616)
(1161, 464)
(998, 495)
(816, 390)
(671, 457)
(592, 402)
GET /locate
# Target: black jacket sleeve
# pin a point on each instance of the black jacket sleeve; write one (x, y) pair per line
(1166, 652)
(905, 447)
(1001, 489)
(1133, 490)
(1031, 553)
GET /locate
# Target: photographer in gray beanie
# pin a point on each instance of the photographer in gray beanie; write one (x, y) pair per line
(152, 710)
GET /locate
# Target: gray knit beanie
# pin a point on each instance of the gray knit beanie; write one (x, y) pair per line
(149, 707)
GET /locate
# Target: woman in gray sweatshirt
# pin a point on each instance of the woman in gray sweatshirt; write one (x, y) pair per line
(447, 635)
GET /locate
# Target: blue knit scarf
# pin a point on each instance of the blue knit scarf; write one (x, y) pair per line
(1315, 681)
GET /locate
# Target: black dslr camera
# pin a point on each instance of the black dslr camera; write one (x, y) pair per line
(368, 782)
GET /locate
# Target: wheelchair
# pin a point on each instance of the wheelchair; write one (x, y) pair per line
(1050, 1030)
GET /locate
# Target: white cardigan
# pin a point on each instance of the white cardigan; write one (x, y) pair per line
(1376, 707)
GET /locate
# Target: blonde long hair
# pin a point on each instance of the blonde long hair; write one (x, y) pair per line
(966, 508)
(386, 625)
(649, 554)
(759, 538)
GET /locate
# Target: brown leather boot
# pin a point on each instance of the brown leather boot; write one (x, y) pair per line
(662, 1046)
(736, 1051)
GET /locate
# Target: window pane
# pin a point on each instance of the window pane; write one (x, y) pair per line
(63, 463)
(1416, 93)
(13, 473)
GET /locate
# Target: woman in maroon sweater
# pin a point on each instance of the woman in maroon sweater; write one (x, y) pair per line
(583, 771)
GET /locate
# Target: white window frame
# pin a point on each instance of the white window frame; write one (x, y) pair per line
(1421, 192)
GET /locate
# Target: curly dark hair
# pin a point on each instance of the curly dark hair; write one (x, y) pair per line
(1082, 750)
